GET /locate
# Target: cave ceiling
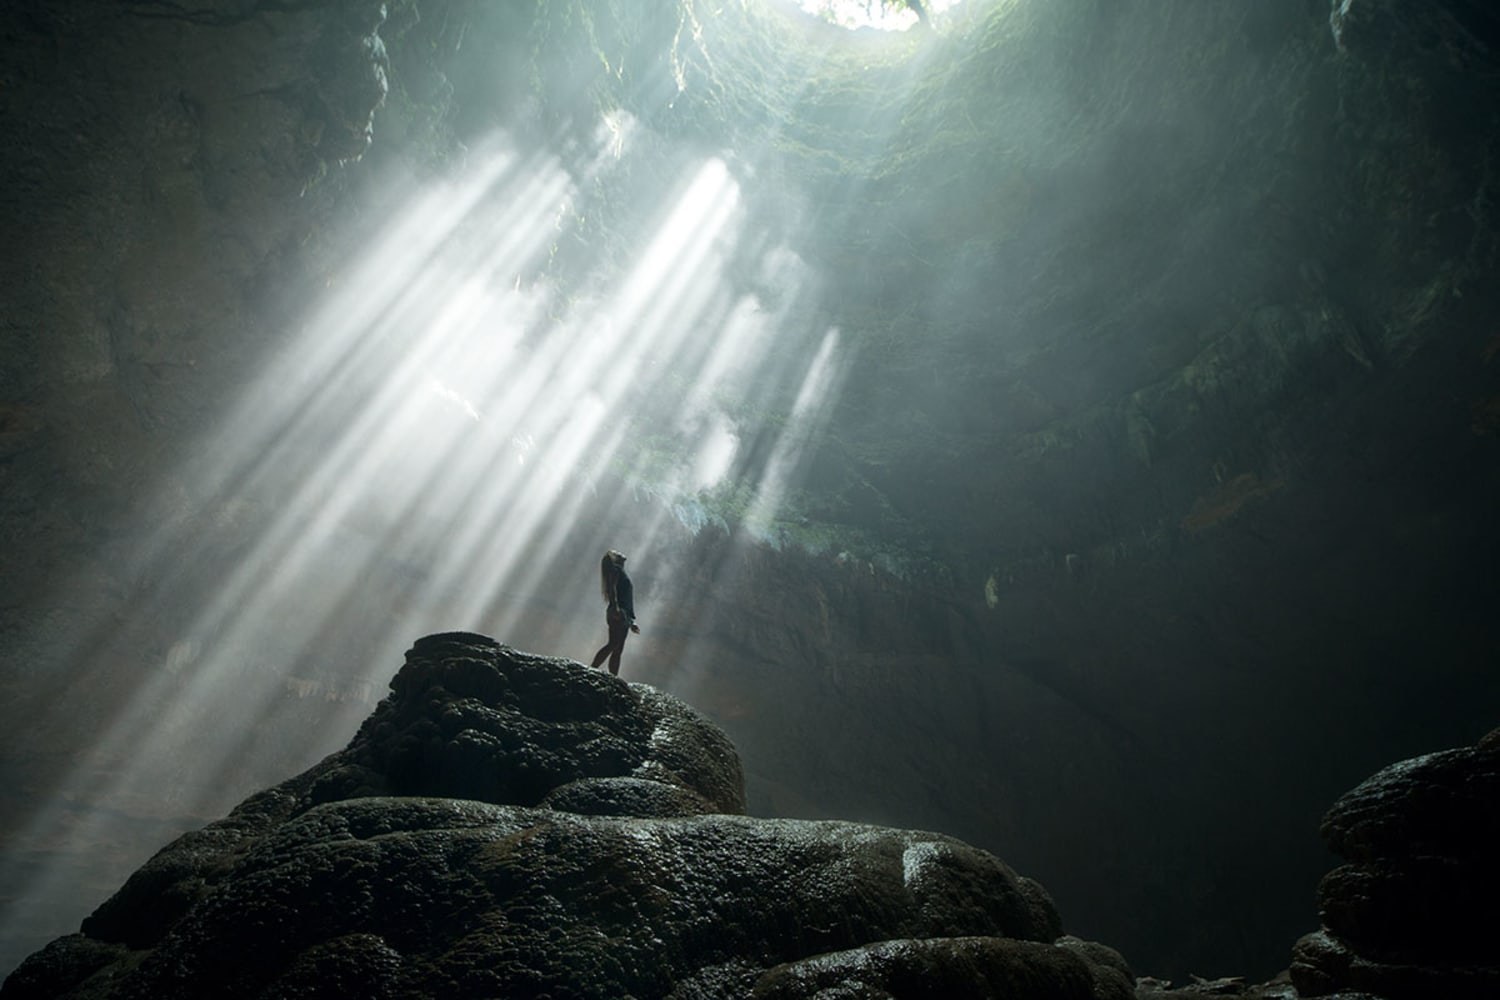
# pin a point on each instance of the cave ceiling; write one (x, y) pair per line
(1093, 303)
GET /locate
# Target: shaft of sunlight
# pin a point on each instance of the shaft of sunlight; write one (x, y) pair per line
(818, 389)
(415, 457)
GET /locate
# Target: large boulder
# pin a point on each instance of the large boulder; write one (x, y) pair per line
(1413, 913)
(513, 825)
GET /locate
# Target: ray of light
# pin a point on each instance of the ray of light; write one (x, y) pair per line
(429, 413)
(417, 455)
(382, 331)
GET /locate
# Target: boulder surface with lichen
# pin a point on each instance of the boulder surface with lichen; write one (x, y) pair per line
(514, 825)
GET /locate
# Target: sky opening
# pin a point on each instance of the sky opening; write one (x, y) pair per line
(884, 15)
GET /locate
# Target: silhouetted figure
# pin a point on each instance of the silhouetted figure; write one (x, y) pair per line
(619, 599)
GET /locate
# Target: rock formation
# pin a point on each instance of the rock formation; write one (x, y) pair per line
(513, 825)
(1413, 914)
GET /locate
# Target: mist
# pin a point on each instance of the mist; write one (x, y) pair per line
(1065, 426)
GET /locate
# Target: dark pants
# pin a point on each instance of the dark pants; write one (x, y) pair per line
(619, 628)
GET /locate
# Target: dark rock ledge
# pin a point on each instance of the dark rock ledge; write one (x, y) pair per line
(1416, 911)
(509, 825)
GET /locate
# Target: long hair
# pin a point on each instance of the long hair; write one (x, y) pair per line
(608, 566)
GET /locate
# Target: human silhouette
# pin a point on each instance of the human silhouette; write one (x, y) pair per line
(619, 613)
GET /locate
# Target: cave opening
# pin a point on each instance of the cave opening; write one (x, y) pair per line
(884, 15)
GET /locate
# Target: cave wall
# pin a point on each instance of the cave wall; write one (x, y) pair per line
(1183, 376)
(1170, 437)
(160, 197)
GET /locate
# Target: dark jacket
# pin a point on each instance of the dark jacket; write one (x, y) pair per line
(624, 594)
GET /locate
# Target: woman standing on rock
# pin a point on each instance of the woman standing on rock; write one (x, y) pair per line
(619, 599)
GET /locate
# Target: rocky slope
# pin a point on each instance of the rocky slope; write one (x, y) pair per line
(509, 824)
(506, 824)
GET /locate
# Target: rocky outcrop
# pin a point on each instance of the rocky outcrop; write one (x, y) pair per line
(1279, 988)
(1413, 913)
(513, 825)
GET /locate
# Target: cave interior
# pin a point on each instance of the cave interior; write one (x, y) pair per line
(1072, 426)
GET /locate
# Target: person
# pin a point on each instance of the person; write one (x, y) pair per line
(619, 613)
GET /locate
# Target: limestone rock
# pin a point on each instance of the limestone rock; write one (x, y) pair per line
(444, 897)
(468, 718)
(624, 797)
(1279, 988)
(1420, 908)
(513, 825)
(1413, 913)
(1444, 804)
(471, 719)
(1324, 967)
(961, 968)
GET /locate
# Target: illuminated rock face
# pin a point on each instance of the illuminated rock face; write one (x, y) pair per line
(329, 885)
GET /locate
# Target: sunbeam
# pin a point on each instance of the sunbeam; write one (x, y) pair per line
(429, 438)
(434, 442)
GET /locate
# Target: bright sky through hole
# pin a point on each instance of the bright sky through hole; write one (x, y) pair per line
(886, 15)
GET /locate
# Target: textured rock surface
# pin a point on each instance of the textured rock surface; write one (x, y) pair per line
(962, 968)
(1414, 913)
(416, 863)
(1280, 988)
(470, 719)
(1444, 804)
(467, 718)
